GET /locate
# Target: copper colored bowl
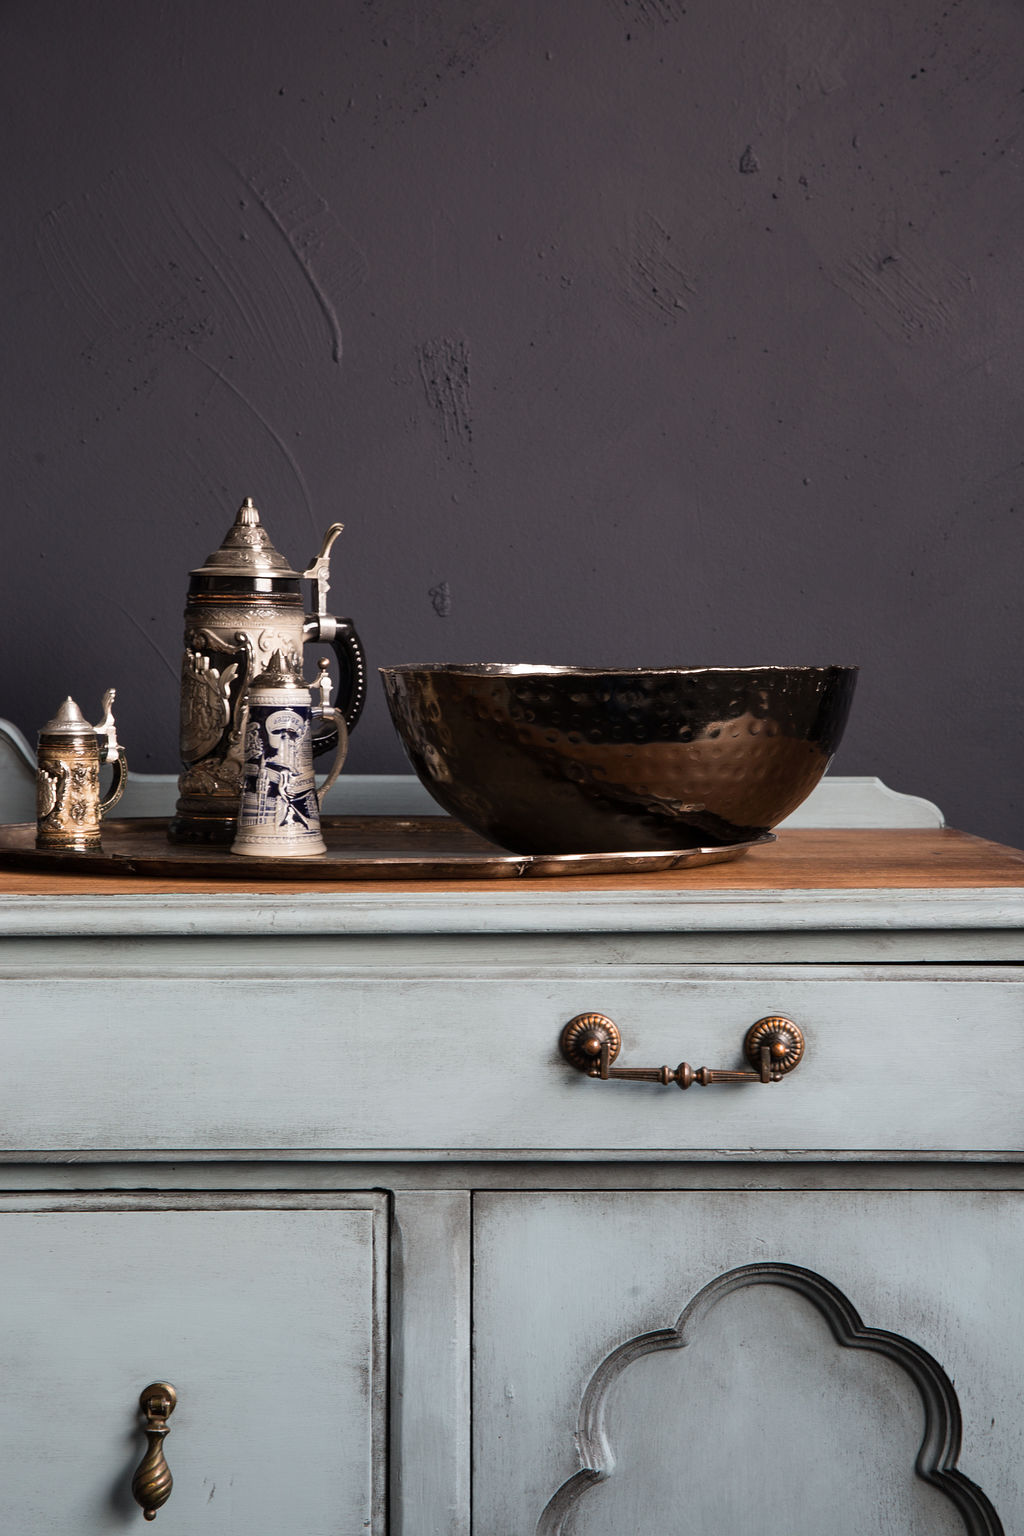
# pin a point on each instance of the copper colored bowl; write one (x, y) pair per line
(581, 760)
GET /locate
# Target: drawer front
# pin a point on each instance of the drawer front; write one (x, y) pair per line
(896, 1060)
(269, 1325)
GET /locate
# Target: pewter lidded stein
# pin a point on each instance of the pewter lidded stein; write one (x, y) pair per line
(68, 804)
(243, 605)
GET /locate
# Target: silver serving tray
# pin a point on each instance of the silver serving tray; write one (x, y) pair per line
(358, 848)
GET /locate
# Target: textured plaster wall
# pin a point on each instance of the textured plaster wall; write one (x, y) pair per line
(616, 331)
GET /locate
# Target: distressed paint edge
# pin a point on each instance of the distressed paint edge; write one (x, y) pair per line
(431, 1343)
(492, 912)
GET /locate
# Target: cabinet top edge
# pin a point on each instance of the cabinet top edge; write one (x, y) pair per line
(332, 914)
(902, 879)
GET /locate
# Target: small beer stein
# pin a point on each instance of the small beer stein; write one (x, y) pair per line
(279, 814)
(68, 804)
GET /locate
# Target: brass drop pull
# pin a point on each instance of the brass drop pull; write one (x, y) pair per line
(774, 1045)
(151, 1485)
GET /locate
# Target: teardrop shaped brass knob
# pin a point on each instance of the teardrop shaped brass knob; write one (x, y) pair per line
(151, 1485)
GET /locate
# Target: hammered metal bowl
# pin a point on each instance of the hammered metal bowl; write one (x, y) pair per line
(580, 760)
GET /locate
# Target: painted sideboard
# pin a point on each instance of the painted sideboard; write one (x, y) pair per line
(313, 1157)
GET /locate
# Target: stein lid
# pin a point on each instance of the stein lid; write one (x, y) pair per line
(68, 721)
(246, 550)
(277, 674)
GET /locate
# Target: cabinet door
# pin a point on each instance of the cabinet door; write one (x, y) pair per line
(721, 1363)
(268, 1323)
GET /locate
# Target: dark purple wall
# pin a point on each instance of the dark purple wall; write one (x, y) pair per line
(616, 331)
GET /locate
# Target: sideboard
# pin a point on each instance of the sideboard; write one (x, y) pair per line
(313, 1156)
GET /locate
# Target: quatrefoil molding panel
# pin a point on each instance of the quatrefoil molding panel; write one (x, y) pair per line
(936, 1461)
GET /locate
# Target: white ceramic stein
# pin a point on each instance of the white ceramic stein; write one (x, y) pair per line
(279, 813)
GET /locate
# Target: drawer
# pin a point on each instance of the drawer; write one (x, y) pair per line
(269, 1322)
(899, 1059)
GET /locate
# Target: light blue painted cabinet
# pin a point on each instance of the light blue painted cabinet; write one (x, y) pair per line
(315, 1158)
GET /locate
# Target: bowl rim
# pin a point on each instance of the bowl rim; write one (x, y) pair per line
(530, 669)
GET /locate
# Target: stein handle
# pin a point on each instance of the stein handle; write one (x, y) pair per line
(341, 749)
(340, 635)
(110, 751)
(120, 779)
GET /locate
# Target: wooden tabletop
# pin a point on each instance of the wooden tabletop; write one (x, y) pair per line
(802, 859)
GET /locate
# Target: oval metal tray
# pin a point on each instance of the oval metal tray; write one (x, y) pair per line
(358, 848)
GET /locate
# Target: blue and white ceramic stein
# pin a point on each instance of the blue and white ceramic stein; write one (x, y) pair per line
(279, 814)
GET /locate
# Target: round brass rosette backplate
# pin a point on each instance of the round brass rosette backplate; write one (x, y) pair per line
(784, 1040)
(585, 1036)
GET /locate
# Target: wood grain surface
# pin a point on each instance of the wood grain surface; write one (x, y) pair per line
(802, 859)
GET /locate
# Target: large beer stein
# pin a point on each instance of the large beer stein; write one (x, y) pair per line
(243, 605)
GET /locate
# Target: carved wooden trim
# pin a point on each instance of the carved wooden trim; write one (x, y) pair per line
(940, 1447)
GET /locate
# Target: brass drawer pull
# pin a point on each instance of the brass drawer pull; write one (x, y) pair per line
(774, 1046)
(151, 1485)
